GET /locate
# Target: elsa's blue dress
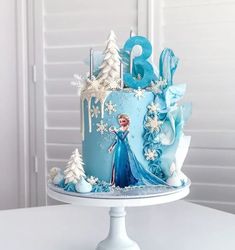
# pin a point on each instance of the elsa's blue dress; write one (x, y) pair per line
(127, 170)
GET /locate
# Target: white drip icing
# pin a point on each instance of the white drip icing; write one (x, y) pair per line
(88, 94)
(102, 109)
(89, 115)
(82, 118)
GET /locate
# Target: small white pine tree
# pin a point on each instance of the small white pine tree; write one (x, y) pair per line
(74, 170)
(110, 68)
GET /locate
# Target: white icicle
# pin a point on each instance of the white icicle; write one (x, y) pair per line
(82, 119)
(89, 114)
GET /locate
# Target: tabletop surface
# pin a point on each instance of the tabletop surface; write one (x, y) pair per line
(178, 225)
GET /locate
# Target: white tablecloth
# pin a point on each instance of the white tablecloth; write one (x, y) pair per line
(179, 225)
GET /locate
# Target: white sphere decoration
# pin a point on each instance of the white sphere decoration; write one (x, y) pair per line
(83, 186)
(174, 179)
(58, 178)
(53, 172)
(182, 176)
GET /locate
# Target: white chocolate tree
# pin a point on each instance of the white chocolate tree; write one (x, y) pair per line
(74, 170)
(110, 68)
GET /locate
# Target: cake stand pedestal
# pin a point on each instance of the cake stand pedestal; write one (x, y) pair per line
(117, 238)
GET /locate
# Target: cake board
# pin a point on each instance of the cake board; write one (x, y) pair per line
(117, 238)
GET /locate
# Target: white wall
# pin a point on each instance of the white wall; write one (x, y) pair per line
(9, 175)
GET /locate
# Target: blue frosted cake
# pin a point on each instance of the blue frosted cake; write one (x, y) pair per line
(131, 122)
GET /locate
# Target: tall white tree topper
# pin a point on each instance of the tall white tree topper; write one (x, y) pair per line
(110, 68)
(74, 170)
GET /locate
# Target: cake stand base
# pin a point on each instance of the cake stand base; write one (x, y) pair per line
(117, 238)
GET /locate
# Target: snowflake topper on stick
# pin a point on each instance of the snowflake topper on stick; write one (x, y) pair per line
(78, 82)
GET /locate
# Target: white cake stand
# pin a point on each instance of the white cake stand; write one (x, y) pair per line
(117, 238)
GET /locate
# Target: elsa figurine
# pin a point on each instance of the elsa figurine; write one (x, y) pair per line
(126, 169)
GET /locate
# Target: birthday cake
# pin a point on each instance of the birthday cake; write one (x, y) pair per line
(131, 122)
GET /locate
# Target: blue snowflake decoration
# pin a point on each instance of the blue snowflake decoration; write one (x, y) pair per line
(101, 186)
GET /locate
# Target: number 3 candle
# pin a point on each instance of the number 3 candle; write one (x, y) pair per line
(141, 67)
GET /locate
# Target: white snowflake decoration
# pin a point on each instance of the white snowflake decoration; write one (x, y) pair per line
(101, 127)
(153, 107)
(110, 107)
(153, 124)
(100, 95)
(161, 82)
(79, 82)
(114, 84)
(92, 180)
(93, 84)
(95, 111)
(155, 88)
(150, 155)
(139, 93)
